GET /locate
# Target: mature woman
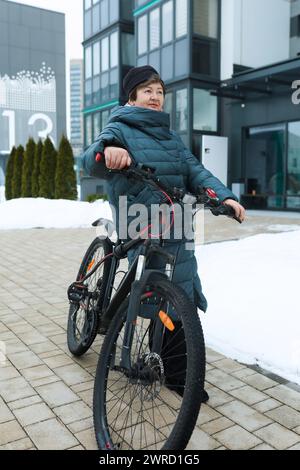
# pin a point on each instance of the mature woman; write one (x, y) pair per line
(140, 131)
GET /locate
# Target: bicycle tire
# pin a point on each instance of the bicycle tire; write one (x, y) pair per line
(111, 386)
(80, 340)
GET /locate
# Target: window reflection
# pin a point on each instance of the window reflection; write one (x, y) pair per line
(205, 111)
(293, 176)
(181, 110)
(167, 22)
(142, 34)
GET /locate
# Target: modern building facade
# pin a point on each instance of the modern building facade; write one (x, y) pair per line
(260, 109)
(32, 75)
(76, 106)
(229, 66)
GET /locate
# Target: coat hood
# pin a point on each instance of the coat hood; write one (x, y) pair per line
(154, 123)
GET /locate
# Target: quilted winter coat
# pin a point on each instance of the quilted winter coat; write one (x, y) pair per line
(147, 136)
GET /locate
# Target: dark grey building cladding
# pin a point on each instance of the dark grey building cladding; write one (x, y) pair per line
(32, 41)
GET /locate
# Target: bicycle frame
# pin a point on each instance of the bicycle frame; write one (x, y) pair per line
(134, 282)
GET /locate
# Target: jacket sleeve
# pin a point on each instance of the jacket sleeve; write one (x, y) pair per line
(198, 175)
(111, 135)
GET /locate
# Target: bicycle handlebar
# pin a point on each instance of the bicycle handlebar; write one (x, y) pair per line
(205, 196)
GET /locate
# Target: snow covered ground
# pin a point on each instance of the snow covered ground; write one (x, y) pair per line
(2, 194)
(252, 285)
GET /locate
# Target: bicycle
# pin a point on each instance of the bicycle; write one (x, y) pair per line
(147, 392)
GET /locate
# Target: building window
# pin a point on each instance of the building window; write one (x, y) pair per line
(181, 18)
(167, 60)
(205, 111)
(128, 49)
(142, 34)
(96, 19)
(88, 62)
(295, 26)
(105, 87)
(181, 58)
(105, 118)
(88, 93)
(87, 24)
(104, 54)
(114, 50)
(293, 176)
(205, 18)
(154, 28)
(168, 106)
(88, 130)
(104, 13)
(113, 83)
(96, 90)
(96, 124)
(113, 10)
(87, 4)
(181, 110)
(205, 58)
(96, 58)
(167, 22)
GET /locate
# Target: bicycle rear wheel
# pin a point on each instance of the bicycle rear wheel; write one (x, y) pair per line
(158, 405)
(83, 319)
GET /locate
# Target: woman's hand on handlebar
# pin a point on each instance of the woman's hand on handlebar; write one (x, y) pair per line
(239, 210)
(116, 158)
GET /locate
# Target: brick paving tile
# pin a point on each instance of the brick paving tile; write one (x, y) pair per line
(248, 395)
(278, 437)
(72, 374)
(286, 416)
(51, 435)
(58, 361)
(237, 438)
(229, 366)
(200, 440)
(81, 425)
(24, 360)
(263, 447)
(296, 447)
(207, 414)
(22, 444)
(15, 389)
(73, 412)
(222, 380)
(217, 425)
(217, 397)
(56, 394)
(244, 415)
(259, 381)
(9, 372)
(285, 395)
(38, 372)
(33, 414)
(87, 439)
(11, 431)
(18, 404)
(266, 405)
(5, 413)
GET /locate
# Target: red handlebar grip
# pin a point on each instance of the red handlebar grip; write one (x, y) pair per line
(99, 157)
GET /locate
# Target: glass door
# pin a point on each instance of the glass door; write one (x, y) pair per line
(265, 167)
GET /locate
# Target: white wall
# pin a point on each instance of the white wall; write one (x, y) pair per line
(261, 33)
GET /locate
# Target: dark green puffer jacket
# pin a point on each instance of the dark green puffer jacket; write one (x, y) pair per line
(147, 136)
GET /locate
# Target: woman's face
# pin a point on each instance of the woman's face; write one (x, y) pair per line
(150, 97)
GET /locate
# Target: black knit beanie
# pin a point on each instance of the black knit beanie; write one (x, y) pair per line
(136, 76)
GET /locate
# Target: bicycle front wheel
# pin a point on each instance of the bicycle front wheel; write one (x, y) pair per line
(156, 406)
(83, 319)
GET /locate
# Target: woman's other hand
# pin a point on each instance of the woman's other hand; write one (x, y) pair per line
(239, 210)
(116, 158)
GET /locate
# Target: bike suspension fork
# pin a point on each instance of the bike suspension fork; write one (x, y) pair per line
(133, 310)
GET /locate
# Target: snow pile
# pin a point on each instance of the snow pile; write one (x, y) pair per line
(45, 213)
(253, 297)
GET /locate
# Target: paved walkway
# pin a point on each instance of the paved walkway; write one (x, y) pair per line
(46, 394)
